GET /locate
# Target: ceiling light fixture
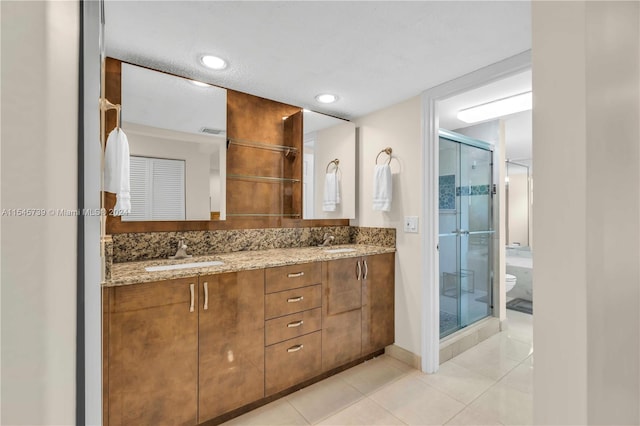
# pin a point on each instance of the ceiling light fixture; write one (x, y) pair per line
(326, 98)
(213, 62)
(200, 84)
(505, 106)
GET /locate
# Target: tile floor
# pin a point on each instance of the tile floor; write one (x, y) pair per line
(490, 384)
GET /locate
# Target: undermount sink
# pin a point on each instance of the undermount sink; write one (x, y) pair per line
(184, 266)
(340, 250)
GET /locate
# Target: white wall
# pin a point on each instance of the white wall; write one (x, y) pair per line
(518, 204)
(397, 127)
(39, 170)
(586, 105)
(336, 142)
(197, 165)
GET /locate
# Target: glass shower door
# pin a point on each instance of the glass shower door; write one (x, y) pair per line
(465, 234)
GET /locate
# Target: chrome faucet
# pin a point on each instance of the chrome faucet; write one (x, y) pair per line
(182, 252)
(328, 239)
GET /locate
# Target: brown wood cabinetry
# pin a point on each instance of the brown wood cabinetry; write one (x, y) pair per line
(153, 353)
(293, 320)
(231, 342)
(378, 301)
(358, 308)
(341, 319)
(184, 351)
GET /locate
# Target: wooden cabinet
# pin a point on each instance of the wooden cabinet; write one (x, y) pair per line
(185, 351)
(231, 337)
(153, 353)
(358, 308)
(341, 319)
(293, 351)
(378, 301)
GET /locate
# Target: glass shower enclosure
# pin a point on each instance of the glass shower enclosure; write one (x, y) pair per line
(465, 231)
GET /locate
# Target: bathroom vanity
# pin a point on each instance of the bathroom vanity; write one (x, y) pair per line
(190, 346)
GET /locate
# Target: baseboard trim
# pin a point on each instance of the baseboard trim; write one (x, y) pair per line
(403, 355)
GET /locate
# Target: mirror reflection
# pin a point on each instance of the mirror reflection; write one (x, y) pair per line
(177, 141)
(329, 186)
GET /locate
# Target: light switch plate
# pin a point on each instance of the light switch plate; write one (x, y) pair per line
(411, 224)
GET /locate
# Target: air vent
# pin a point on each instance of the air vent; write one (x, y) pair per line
(211, 131)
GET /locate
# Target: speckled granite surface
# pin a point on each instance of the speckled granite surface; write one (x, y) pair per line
(134, 272)
(373, 236)
(108, 256)
(159, 245)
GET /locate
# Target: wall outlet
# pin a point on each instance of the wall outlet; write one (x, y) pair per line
(411, 224)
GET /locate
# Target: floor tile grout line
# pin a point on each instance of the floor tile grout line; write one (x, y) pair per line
(390, 413)
(360, 398)
(298, 411)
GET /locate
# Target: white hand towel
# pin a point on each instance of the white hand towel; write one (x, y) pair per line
(331, 192)
(382, 188)
(116, 170)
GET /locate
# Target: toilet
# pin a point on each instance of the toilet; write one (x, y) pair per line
(510, 281)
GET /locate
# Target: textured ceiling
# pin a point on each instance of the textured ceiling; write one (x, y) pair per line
(371, 54)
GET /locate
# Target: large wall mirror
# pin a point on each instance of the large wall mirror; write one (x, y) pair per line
(329, 186)
(176, 129)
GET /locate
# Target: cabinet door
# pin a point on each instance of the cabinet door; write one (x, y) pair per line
(341, 312)
(378, 292)
(231, 342)
(343, 291)
(153, 353)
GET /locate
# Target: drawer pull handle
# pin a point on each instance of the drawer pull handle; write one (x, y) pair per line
(366, 269)
(206, 295)
(193, 298)
(295, 324)
(295, 348)
(295, 299)
(359, 271)
(296, 275)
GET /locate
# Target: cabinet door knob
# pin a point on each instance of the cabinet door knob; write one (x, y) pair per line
(295, 324)
(193, 297)
(359, 270)
(366, 269)
(206, 295)
(295, 299)
(295, 275)
(295, 348)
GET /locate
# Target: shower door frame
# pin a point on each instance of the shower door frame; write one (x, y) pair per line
(489, 147)
(430, 304)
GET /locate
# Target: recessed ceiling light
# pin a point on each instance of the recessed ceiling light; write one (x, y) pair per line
(200, 84)
(501, 107)
(213, 62)
(326, 98)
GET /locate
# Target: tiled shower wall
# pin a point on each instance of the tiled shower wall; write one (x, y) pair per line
(157, 245)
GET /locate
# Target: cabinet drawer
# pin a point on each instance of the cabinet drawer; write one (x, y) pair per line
(292, 326)
(292, 276)
(292, 361)
(288, 302)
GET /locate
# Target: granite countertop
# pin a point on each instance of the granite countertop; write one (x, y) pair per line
(134, 272)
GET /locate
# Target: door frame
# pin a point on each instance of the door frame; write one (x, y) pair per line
(430, 320)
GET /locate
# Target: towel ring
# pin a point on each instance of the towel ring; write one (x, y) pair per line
(387, 151)
(335, 163)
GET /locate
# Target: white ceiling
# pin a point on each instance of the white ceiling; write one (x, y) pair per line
(371, 54)
(518, 127)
